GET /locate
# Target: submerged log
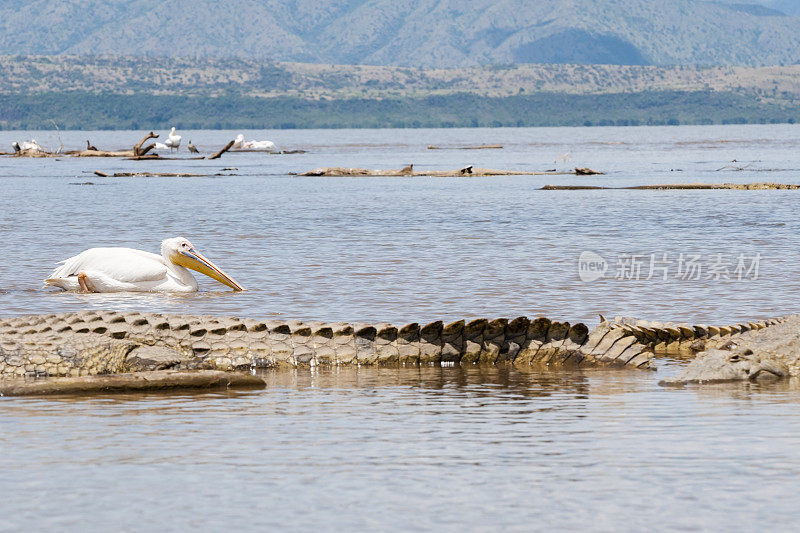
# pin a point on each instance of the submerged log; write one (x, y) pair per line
(156, 175)
(409, 171)
(761, 186)
(573, 187)
(156, 157)
(477, 147)
(482, 147)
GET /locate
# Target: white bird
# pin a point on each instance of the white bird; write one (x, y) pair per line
(173, 141)
(160, 146)
(130, 270)
(30, 145)
(256, 146)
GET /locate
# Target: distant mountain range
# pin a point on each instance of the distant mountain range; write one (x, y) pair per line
(788, 7)
(415, 33)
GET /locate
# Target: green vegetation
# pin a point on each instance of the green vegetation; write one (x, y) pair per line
(253, 77)
(83, 110)
(132, 92)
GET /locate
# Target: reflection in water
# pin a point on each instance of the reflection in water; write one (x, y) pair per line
(456, 380)
(428, 447)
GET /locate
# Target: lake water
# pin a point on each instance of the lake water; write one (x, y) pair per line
(431, 447)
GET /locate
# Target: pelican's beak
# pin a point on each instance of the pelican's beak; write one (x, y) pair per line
(196, 261)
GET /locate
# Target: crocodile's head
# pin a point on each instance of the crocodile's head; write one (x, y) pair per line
(716, 366)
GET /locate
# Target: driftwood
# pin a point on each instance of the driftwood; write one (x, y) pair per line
(586, 172)
(137, 148)
(138, 153)
(478, 147)
(483, 147)
(681, 186)
(217, 155)
(33, 152)
(409, 171)
(100, 153)
(156, 157)
(155, 175)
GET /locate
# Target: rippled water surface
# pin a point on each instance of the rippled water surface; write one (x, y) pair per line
(416, 448)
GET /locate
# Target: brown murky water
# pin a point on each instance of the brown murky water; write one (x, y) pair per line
(417, 447)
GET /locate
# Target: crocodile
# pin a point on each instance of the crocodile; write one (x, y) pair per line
(108, 342)
(757, 354)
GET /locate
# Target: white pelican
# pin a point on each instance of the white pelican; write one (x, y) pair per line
(173, 141)
(160, 146)
(130, 270)
(29, 145)
(257, 146)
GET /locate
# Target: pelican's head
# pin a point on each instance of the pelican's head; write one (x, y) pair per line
(172, 132)
(181, 252)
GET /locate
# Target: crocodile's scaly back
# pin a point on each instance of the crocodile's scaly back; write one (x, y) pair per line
(105, 342)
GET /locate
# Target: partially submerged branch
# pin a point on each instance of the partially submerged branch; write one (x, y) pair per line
(217, 155)
(137, 148)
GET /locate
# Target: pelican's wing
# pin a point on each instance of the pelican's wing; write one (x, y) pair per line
(122, 264)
